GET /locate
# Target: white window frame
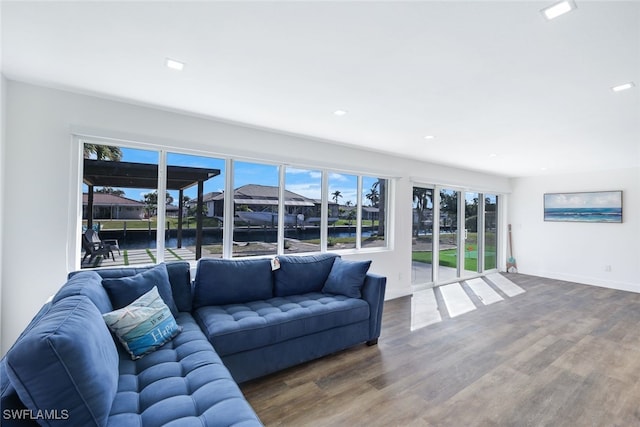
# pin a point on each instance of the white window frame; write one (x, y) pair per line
(79, 137)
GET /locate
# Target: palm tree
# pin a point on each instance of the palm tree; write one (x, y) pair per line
(449, 208)
(382, 205)
(376, 196)
(335, 195)
(422, 199)
(102, 152)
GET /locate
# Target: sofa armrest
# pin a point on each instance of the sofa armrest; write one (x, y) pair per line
(373, 292)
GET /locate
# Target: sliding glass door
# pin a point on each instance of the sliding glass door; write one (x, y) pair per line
(470, 264)
(448, 238)
(490, 231)
(455, 230)
(422, 236)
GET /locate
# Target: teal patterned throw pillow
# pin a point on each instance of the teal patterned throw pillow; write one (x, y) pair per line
(144, 325)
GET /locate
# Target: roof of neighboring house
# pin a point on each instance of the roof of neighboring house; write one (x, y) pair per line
(211, 196)
(329, 202)
(105, 199)
(254, 194)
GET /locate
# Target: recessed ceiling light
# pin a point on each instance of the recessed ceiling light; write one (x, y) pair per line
(340, 112)
(558, 9)
(622, 87)
(429, 136)
(493, 155)
(174, 65)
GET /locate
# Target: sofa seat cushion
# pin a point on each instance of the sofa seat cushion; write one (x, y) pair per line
(183, 383)
(237, 327)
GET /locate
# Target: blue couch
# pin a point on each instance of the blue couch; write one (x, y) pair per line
(239, 320)
(261, 321)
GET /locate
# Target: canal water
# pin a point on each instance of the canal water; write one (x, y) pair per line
(143, 239)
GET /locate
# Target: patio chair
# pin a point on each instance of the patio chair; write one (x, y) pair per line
(94, 247)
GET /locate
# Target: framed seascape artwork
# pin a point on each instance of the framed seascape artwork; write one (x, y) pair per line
(597, 206)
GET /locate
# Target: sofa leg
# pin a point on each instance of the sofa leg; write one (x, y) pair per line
(372, 342)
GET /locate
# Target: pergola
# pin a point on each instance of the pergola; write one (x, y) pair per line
(106, 173)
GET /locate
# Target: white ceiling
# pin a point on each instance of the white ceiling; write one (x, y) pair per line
(502, 89)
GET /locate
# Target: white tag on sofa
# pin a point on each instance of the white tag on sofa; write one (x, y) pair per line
(275, 264)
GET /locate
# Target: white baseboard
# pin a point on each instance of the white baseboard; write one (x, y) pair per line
(585, 280)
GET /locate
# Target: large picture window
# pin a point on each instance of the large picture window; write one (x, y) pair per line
(343, 210)
(142, 206)
(374, 203)
(119, 206)
(256, 197)
(194, 208)
(303, 215)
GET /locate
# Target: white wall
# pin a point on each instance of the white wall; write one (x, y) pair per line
(41, 183)
(2, 171)
(578, 252)
(2, 168)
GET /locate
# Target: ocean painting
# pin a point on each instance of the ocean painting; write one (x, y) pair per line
(599, 206)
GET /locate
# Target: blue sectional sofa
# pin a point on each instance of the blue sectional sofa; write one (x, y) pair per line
(237, 320)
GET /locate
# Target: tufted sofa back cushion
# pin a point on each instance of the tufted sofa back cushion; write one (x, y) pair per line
(67, 363)
(302, 274)
(179, 278)
(9, 399)
(230, 281)
(88, 283)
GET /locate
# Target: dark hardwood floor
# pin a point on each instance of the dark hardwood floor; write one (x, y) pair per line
(561, 354)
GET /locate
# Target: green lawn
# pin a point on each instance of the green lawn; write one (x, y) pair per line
(448, 258)
(143, 224)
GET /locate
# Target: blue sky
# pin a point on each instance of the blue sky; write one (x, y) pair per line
(302, 181)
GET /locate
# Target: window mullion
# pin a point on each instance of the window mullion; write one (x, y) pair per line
(461, 230)
(162, 205)
(435, 235)
(228, 214)
(281, 209)
(324, 212)
(481, 232)
(359, 214)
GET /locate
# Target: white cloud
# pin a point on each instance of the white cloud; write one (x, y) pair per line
(312, 173)
(296, 171)
(337, 177)
(310, 190)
